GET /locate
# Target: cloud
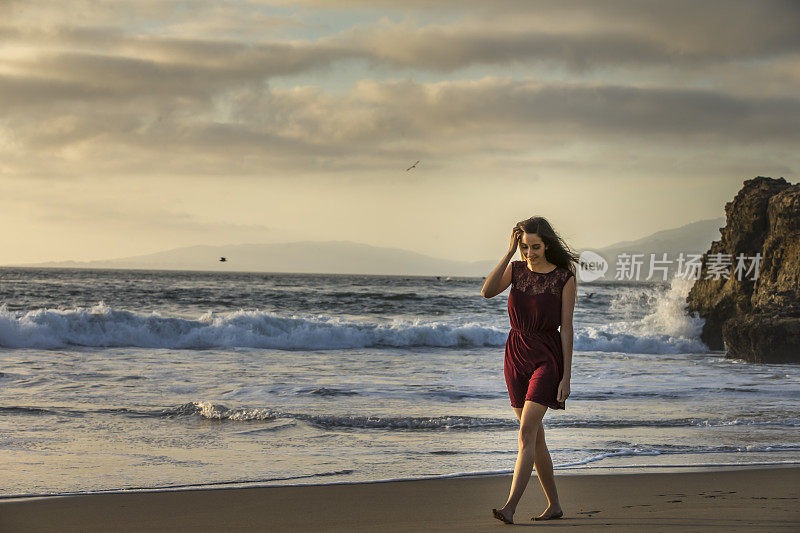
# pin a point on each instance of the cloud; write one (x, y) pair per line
(379, 123)
(77, 212)
(579, 34)
(149, 92)
(447, 48)
(183, 70)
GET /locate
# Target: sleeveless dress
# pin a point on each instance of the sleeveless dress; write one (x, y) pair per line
(534, 361)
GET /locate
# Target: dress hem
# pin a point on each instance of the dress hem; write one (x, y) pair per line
(550, 406)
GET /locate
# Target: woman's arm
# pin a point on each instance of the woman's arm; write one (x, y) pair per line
(568, 295)
(499, 279)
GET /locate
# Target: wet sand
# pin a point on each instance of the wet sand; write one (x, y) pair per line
(733, 499)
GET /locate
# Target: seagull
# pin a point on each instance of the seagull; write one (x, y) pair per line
(412, 166)
(222, 259)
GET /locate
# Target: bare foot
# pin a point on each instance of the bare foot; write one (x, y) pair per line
(504, 515)
(551, 513)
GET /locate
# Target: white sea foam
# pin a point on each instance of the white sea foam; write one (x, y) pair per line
(220, 412)
(105, 326)
(666, 329)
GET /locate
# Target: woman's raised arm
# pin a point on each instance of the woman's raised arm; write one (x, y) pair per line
(500, 278)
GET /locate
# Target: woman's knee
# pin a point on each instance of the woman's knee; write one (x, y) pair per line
(528, 435)
(532, 415)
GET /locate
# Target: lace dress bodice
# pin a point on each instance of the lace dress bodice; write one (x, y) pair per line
(534, 303)
(529, 282)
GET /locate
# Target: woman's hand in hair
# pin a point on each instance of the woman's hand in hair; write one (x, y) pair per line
(516, 235)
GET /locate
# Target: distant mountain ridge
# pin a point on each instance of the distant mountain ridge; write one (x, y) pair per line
(332, 257)
(695, 238)
(347, 257)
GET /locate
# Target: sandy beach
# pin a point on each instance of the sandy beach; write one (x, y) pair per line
(733, 499)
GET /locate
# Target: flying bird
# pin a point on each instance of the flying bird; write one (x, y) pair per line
(412, 166)
(222, 259)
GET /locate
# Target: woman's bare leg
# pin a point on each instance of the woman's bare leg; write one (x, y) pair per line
(532, 414)
(544, 470)
(543, 464)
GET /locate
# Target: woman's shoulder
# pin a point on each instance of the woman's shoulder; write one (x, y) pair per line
(565, 273)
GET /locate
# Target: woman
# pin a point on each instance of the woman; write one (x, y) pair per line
(538, 360)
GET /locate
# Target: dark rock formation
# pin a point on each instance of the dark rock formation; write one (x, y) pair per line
(756, 320)
(762, 338)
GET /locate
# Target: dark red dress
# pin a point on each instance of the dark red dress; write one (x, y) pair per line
(534, 362)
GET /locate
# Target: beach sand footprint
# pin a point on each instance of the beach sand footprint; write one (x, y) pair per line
(719, 493)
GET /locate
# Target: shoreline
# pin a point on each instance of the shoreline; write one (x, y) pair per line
(566, 471)
(721, 499)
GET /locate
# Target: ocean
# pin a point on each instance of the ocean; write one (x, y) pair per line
(131, 380)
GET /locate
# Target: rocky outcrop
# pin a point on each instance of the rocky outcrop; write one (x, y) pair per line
(762, 338)
(756, 318)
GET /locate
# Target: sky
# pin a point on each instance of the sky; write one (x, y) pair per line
(133, 126)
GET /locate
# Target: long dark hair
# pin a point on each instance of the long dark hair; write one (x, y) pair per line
(557, 251)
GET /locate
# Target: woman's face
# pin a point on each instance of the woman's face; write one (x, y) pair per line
(531, 247)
